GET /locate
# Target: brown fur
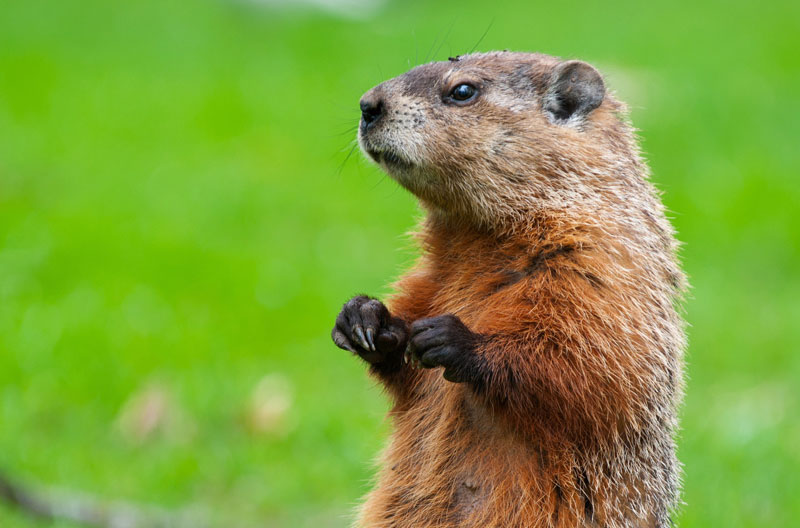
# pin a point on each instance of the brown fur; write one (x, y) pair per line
(545, 238)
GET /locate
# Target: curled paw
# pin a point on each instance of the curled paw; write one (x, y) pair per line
(443, 341)
(365, 327)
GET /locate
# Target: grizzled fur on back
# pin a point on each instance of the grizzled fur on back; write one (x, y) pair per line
(547, 255)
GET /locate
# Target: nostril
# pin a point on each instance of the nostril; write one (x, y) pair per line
(371, 110)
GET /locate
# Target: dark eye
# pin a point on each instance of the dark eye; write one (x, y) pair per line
(463, 92)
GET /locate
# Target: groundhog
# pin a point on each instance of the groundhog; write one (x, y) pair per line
(533, 354)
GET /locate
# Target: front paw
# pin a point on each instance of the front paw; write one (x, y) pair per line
(365, 327)
(444, 341)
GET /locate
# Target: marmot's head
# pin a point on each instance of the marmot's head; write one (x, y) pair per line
(493, 137)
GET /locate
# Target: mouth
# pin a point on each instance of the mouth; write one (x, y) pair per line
(390, 158)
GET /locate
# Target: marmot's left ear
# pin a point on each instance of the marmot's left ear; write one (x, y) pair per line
(575, 89)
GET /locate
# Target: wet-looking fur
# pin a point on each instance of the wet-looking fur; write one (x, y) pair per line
(533, 354)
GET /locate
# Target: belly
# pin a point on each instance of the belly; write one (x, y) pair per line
(450, 463)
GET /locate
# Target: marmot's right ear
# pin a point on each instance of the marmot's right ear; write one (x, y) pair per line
(575, 89)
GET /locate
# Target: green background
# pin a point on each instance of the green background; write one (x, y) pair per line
(178, 220)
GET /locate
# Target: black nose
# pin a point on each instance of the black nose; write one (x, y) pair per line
(371, 111)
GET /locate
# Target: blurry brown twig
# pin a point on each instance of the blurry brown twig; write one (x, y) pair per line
(91, 511)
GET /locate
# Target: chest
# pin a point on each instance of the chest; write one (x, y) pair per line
(482, 288)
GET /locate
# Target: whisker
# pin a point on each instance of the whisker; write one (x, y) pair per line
(446, 35)
(491, 23)
(416, 47)
(349, 154)
(428, 55)
(349, 131)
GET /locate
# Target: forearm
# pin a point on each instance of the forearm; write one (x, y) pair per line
(575, 386)
(575, 379)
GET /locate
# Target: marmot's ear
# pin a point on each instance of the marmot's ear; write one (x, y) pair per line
(575, 89)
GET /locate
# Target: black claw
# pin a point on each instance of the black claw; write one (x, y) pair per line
(341, 341)
(362, 340)
(371, 338)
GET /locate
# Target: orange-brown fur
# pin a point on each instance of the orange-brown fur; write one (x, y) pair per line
(548, 239)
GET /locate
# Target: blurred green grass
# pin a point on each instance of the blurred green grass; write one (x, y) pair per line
(177, 210)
